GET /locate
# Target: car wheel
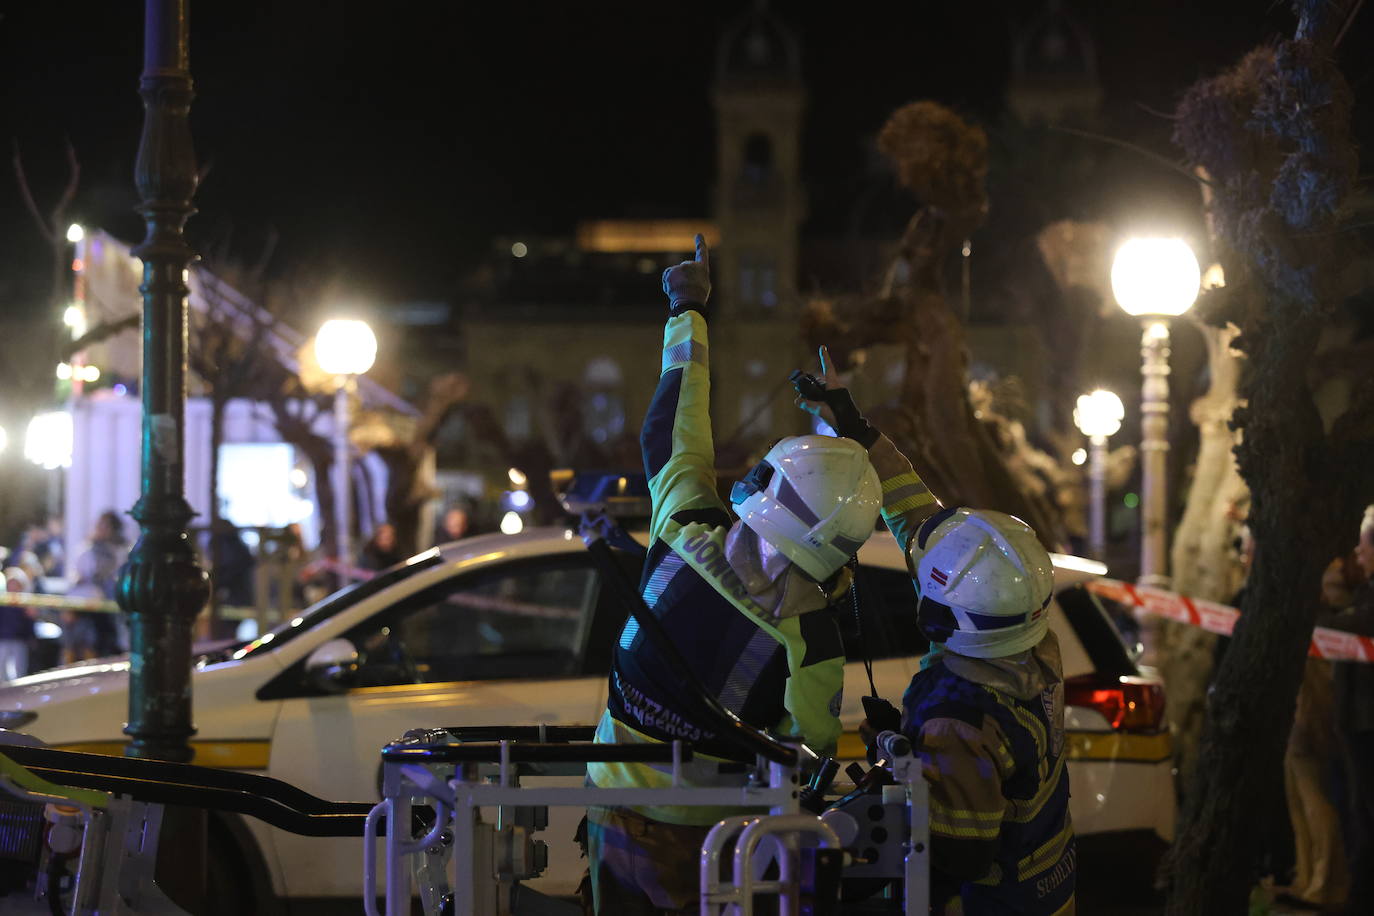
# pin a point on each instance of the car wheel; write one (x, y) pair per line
(229, 883)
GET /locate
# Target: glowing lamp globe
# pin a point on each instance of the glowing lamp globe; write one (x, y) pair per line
(48, 440)
(1099, 413)
(345, 347)
(1155, 277)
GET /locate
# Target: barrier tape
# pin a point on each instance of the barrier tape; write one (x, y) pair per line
(97, 605)
(330, 564)
(1334, 645)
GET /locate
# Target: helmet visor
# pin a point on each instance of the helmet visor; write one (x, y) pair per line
(754, 482)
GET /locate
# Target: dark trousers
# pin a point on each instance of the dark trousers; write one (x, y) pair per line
(1359, 817)
(641, 867)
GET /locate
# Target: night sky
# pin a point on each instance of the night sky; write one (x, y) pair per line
(388, 144)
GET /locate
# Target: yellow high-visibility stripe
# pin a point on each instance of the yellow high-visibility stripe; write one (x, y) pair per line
(945, 828)
(964, 813)
(1046, 856)
(911, 502)
(901, 480)
(1028, 721)
(230, 754)
(1024, 811)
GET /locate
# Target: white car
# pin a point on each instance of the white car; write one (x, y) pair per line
(506, 630)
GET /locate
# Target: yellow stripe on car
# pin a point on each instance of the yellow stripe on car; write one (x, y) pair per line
(1117, 746)
(232, 754)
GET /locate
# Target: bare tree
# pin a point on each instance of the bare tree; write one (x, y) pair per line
(944, 161)
(406, 490)
(233, 357)
(1274, 135)
(52, 226)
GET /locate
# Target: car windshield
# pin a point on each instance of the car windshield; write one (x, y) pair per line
(322, 610)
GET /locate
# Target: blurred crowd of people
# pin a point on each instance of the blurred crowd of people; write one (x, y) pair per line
(35, 565)
(279, 570)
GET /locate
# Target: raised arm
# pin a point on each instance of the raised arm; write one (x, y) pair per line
(679, 454)
(906, 500)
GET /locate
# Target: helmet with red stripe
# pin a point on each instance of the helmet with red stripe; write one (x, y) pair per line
(984, 580)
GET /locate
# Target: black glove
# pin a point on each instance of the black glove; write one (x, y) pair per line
(848, 421)
(688, 285)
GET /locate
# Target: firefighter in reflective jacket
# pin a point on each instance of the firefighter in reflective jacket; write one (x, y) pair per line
(987, 708)
(742, 600)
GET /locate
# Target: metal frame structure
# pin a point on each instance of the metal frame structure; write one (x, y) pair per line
(464, 865)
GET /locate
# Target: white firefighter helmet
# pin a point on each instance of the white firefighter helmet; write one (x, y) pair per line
(984, 579)
(814, 498)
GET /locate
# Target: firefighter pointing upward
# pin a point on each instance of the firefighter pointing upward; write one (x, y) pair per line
(739, 599)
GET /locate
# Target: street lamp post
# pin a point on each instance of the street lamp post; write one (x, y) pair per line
(162, 588)
(1155, 280)
(1098, 415)
(345, 348)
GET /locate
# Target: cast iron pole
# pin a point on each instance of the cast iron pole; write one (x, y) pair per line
(162, 588)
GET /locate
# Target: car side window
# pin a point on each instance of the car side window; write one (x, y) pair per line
(887, 607)
(521, 620)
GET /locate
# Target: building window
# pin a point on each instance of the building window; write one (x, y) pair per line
(603, 416)
(756, 413)
(758, 280)
(758, 159)
(519, 421)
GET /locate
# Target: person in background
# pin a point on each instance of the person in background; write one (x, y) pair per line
(16, 627)
(231, 566)
(1353, 690)
(381, 550)
(45, 543)
(453, 527)
(1319, 878)
(93, 635)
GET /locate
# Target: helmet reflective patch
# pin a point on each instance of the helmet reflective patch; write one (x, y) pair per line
(846, 545)
(793, 502)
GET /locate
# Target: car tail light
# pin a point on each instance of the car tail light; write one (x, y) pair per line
(1130, 704)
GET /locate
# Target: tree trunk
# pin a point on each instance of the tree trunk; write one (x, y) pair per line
(1274, 135)
(1201, 560)
(1250, 705)
(217, 407)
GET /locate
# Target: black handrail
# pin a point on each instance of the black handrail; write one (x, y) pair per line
(517, 752)
(269, 800)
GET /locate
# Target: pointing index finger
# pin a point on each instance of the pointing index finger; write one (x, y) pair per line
(703, 253)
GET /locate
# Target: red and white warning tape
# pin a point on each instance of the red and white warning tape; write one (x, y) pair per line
(1336, 645)
(96, 605)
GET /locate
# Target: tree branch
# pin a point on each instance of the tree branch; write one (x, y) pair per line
(102, 331)
(1148, 154)
(27, 194)
(69, 192)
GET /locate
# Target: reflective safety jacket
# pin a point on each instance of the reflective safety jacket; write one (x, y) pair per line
(785, 675)
(993, 752)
